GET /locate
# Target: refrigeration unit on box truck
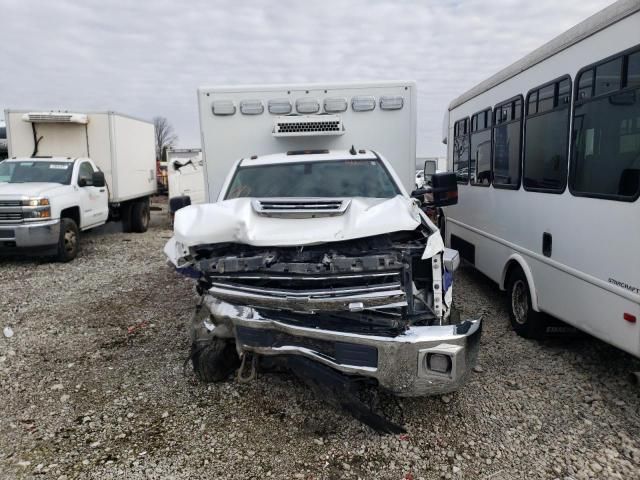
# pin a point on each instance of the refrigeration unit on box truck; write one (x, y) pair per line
(311, 252)
(68, 172)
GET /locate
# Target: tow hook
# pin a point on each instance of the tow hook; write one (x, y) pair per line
(247, 373)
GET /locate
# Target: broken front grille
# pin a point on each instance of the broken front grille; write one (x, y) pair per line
(367, 282)
(354, 298)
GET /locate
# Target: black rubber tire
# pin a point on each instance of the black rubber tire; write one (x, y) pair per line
(68, 241)
(214, 361)
(525, 321)
(140, 216)
(125, 216)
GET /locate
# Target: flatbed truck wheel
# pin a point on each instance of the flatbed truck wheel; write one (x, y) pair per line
(69, 240)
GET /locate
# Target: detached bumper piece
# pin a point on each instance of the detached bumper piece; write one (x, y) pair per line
(423, 360)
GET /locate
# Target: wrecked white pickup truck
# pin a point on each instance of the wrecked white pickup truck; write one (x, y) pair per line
(325, 257)
(319, 260)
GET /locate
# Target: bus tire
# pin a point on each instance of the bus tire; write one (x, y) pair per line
(525, 321)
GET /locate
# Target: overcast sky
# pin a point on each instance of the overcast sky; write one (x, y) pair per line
(148, 58)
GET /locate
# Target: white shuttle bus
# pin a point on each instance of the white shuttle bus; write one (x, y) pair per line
(547, 155)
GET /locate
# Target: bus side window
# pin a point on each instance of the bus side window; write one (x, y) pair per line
(507, 136)
(461, 150)
(480, 146)
(546, 140)
(606, 140)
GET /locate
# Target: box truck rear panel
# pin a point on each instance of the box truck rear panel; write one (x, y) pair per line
(134, 158)
(239, 122)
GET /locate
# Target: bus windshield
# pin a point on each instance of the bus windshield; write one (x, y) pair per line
(36, 171)
(334, 178)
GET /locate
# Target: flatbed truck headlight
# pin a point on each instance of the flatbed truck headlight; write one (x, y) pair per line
(36, 209)
(35, 202)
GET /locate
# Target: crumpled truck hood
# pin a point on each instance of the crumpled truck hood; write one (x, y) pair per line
(235, 221)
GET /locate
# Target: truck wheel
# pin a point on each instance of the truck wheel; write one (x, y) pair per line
(525, 321)
(69, 241)
(140, 216)
(214, 361)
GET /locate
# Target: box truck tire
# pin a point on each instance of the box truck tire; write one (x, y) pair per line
(69, 242)
(140, 216)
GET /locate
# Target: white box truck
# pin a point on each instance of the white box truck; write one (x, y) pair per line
(312, 252)
(68, 172)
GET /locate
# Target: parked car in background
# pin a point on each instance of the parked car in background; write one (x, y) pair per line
(69, 172)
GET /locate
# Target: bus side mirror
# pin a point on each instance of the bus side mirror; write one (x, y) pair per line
(444, 187)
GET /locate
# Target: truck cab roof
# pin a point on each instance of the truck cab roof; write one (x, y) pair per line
(45, 159)
(299, 156)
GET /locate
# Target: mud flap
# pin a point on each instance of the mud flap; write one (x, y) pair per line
(341, 391)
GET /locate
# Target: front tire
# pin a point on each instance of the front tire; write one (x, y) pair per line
(214, 361)
(525, 321)
(69, 241)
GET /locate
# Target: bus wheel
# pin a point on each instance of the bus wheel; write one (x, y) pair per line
(524, 319)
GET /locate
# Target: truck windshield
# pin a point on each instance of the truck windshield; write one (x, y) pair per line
(335, 178)
(36, 171)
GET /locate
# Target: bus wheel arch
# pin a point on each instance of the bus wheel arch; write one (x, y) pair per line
(515, 262)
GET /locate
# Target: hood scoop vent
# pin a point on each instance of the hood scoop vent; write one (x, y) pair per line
(300, 207)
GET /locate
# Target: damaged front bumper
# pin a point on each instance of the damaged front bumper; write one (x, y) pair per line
(423, 360)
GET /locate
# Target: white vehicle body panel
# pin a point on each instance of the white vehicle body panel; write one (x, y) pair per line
(189, 179)
(228, 138)
(121, 146)
(595, 241)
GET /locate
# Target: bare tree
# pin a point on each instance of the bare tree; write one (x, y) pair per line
(165, 136)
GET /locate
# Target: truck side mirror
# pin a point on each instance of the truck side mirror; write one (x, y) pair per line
(444, 187)
(97, 179)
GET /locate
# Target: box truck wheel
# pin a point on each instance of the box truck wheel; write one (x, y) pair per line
(69, 241)
(140, 216)
(524, 319)
(214, 361)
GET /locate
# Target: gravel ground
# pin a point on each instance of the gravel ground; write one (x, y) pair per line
(92, 386)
